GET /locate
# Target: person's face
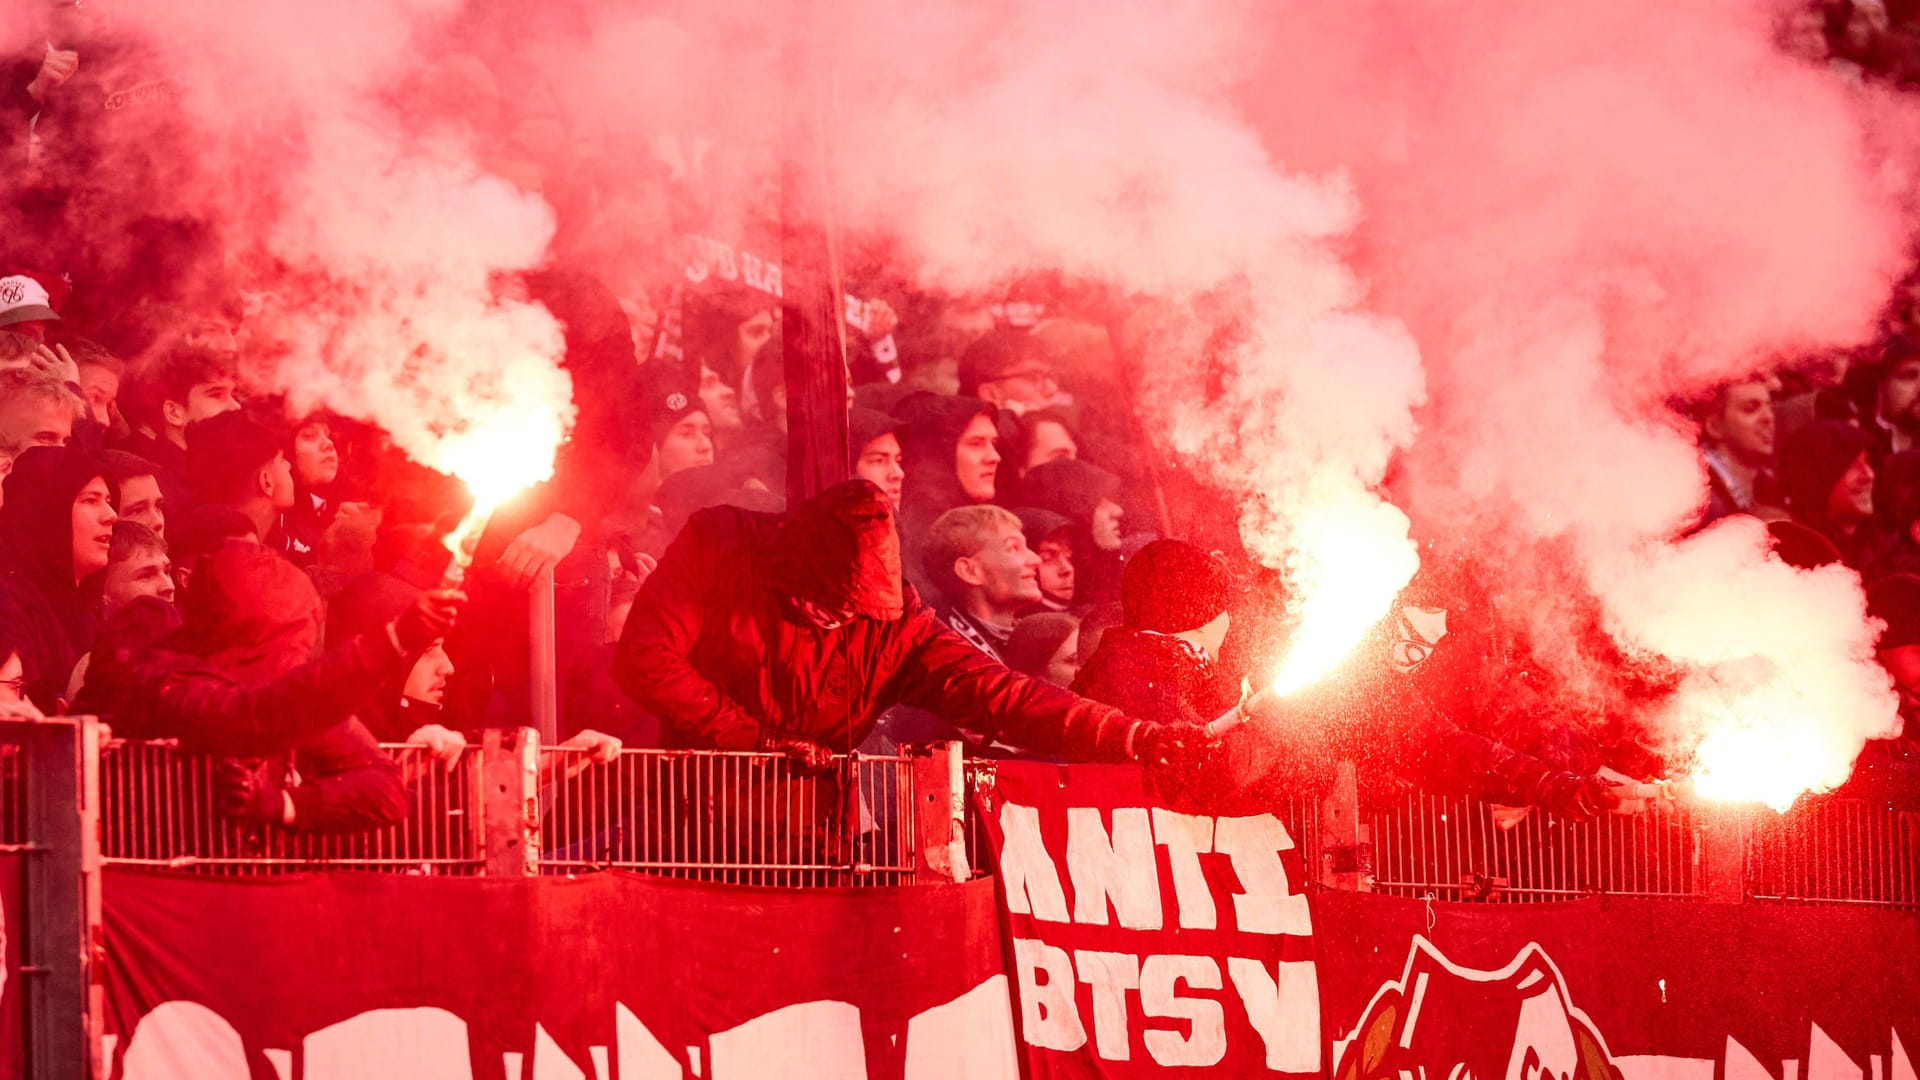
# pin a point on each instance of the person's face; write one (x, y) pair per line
(721, 400)
(279, 482)
(977, 458)
(880, 464)
(147, 573)
(1745, 426)
(752, 334)
(688, 443)
(1851, 500)
(13, 680)
(1900, 394)
(1903, 664)
(1106, 525)
(427, 682)
(1056, 570)
(1051, 442)
(101, 386)
(30, 420)
(140, 501)
(1214, 634)
(1031, 387)
(316, 461)
(211, 399)
(93, 519)
(1005, 570)
(1064, 667)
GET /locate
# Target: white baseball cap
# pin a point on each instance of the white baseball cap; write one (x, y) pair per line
(23, 299)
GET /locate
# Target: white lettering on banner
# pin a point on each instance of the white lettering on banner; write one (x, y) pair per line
(388, 1044)
(1111, 975)
(1206, 1041)
(1049, 1016)
(968, 1038)
(1027, 874)
(1266, 904)
(1120, 868)
(1284, 1008)
(816, 1040)
(185, 1038)
(1186, 837)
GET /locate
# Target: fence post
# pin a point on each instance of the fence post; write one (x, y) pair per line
(543, 670)
(1724, 834)
(1345, 853)
(510, 801)
(939, 814)
(60, 897)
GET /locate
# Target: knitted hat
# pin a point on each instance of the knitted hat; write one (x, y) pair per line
(1069, 487)
(1895, 599)
(997, 354)
(224, 451)
(1036, 638)
(1038, 525)
(1172, 586)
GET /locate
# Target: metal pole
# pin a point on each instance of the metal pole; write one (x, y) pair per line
(1345, 854)
(543, 674)
(812, 306)
(510, 804)
(60, 897)
(939, 814)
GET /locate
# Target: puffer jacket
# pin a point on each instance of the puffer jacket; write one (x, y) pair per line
(717, 649)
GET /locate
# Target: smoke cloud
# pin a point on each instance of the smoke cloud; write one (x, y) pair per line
(1470, 247)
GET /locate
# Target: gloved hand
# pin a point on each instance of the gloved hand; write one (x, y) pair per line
(250, 793)
(1576, 796)
(808, 757)
(1173, 746)
(427, 621)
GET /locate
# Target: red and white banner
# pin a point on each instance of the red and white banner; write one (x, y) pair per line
(1146, 942)
(1144, 939)
(612, 976)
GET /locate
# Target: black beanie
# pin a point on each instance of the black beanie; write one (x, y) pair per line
(1172, 586)
(1801, 547)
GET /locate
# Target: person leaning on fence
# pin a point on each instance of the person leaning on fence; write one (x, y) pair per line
(235, 676)
(793, 635)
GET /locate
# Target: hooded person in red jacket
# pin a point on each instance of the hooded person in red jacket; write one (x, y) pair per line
(795, 634)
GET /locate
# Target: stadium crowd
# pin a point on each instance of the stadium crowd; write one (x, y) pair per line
(1013, 564)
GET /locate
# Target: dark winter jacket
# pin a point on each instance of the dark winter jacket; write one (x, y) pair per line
(929, 434)
(717, 650)
(52, 614)
(1155, 677)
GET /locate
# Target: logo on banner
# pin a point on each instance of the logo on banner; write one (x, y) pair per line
(1440, 1019)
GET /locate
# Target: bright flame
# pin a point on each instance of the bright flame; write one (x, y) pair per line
(1765, 756)
(497, 457)
(1348, 564)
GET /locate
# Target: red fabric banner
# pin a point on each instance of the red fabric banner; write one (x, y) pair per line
(370, 976)
(1143, 939)
(1145, 942)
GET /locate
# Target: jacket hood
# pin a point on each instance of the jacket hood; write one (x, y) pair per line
(840, 550)
(250, 613)
(1813, 460)
(929, 433)
(1069, 487)
(36, 520)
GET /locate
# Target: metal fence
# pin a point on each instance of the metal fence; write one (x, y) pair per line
(1453, 849)
(1836, 851)
(752, 818)
(747, 818)
(158, 808)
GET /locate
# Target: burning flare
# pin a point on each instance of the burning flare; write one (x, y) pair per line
(496, 457)
(1349, 563)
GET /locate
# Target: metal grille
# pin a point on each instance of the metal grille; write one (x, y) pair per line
(157, 808)
(746, 818)
(1837, 850)
(1450, 847)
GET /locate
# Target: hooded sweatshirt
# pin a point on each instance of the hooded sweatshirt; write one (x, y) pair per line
(1811, 463)
(54, 614)
(929, 434)
(1074, 489)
